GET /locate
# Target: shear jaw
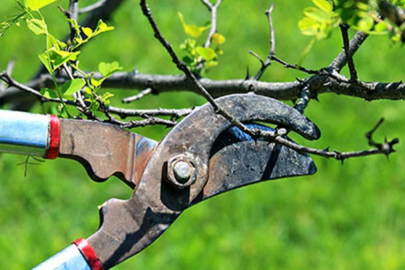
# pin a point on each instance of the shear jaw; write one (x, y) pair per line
(129, 226)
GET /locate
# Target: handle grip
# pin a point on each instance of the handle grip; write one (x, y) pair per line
(29, 134)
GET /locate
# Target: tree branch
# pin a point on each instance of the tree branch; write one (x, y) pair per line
(149, 115)
(9, 70)
(92, 7)
(267, 63)
(271, 29)
(143, 93)
(353, 73)
(341, 60)
(217, 88)
(174, 113)
(213, 9)
(273, 136)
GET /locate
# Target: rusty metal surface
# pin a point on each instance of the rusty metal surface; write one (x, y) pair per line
(105, 150)
(128, 226)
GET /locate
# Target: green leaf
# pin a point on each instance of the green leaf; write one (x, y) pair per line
(191, 29)
(53, 42)
(37, 4)
(94, 105)
(46, 61)
(194, 30)
(362, 6)
(380, 27)
(106, 69)
(365, 24)
(48, 93)
(96, 82)
(102, 27)
(211, 64)
(72, 86)
(308, 26)
(59, 57)
(218, 39)
(324, 5)
(88, 91)
(38, 27)
(181, 17)
(206, 53)
(87, 31)
(188, 60)
(105, 98)
(317, 14)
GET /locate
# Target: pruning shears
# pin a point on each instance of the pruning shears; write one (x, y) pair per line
(202, 156)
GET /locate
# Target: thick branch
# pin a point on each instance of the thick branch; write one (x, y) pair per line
(369, 91)
(218, 88)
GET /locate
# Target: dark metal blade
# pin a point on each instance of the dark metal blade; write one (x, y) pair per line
(249, 162)
(238, 160)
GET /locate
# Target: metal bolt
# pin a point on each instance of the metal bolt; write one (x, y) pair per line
(182, 171)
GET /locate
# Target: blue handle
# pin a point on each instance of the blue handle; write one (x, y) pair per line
(24, 133)
(68, 259)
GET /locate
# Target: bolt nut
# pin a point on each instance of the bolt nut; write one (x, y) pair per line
(181, 171)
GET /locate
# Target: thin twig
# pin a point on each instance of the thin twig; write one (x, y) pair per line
(92, 7)
(72, 14)
(176, 113)
(341, 60)
(78, 95)
(143, 93)
(265, 64)
(272, 35)
(213, 29)
(148, 122)
(11, 82)
(132, 124)
(387, 147)
(272, 53)
(9, 71)
(296, 67)
(353, 73)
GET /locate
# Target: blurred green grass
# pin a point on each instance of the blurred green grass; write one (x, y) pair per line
(349, 216)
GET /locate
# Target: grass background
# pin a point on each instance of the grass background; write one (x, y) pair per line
(349, 216)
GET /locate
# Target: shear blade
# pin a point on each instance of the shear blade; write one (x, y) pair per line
(241, 161)
(129, 226)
